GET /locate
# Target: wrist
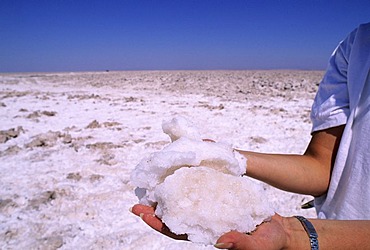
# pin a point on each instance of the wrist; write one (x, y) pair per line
(297, 237)
(311, 232)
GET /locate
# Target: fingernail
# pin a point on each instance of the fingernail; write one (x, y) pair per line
(223, 245)
(130, 209)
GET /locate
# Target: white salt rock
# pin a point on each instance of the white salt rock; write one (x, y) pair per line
(219, 156)
(152, 171)
(184, 152)
(181, 127)
(205, 203)
(198, 187)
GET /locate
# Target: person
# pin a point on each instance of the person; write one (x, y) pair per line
(335, 167)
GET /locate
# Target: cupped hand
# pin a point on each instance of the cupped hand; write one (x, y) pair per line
(147, 214)
(269, 235)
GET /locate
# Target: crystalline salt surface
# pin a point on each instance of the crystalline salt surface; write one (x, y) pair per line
(197, 186)
(181, 127)
(205, 203)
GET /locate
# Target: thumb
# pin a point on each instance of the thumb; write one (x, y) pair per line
(233, 240)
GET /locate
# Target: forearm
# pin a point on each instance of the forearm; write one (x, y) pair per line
(332, 234)
(294, 173)
(306, 174)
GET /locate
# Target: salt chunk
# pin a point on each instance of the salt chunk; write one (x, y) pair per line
(205, 203)
(219, 156)
(181, 127)
(184, 152)
(198, 187)
(152, 170)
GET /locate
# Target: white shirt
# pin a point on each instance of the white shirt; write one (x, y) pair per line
(344, 98)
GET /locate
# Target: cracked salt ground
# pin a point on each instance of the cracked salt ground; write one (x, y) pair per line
(89, 168)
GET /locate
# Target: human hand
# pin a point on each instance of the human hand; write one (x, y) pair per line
(147, 214)
(268, 235)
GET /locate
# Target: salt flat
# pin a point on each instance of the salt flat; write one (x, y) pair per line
(69, 142)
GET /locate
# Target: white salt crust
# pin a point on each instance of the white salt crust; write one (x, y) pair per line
(65, 177)
(198, 187)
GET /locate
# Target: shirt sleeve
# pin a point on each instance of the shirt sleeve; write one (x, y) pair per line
(331, 104)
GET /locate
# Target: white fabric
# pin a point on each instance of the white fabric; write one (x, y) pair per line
(344, 98)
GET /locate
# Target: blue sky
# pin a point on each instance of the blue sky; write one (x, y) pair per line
(66, 35)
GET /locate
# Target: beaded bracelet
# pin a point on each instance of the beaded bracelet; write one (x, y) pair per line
(312, 234)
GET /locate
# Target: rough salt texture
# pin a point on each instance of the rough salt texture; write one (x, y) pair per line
(198, 187)
(187, 149)
(181, 127)
(205, 203)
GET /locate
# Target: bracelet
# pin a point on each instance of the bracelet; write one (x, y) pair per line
(312, 234)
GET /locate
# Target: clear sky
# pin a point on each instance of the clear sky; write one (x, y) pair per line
(72, 35)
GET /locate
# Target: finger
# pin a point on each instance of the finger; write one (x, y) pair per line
(226, 241)
(142, 209)
(154, 222)
(234, 240)
(147, 214)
